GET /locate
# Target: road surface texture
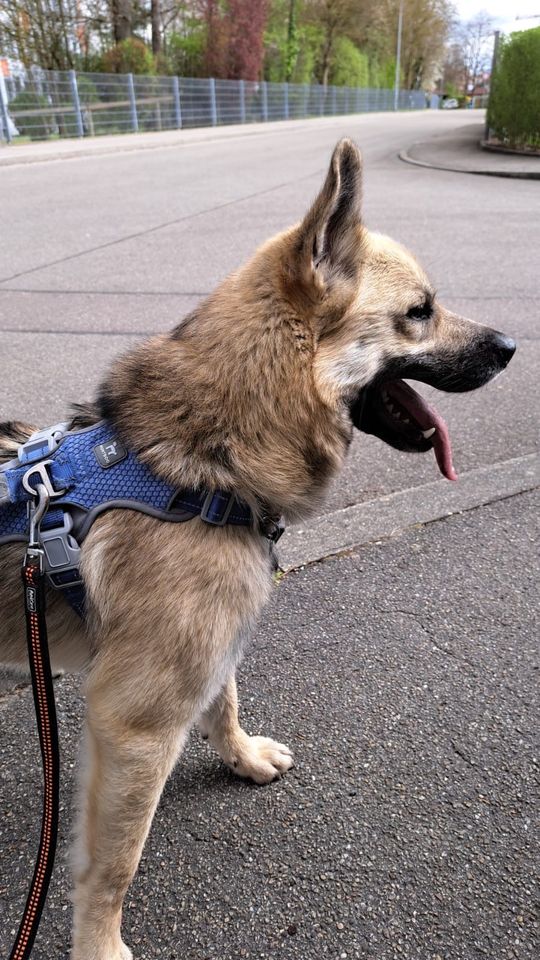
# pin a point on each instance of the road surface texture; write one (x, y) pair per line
(400, 666)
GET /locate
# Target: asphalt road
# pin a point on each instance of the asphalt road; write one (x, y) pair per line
(403, 672)
(405, 678)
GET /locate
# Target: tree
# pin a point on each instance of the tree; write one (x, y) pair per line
(122, 19)
(235, 31)
(335, 18)
(426, 27)
(475, 41)
(39, 32)
(351, 65)
(155, 16)
(246, 24)
(293, 46)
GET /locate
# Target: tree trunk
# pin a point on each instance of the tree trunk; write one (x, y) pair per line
(292, 50)
(156, 27)
(122, 18)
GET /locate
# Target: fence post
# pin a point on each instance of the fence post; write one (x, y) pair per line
(286, 101)
(132, 103)
(264, 90)
(76, 103)
(176, 98)
(242, 101)
(213, 103)
(306, 100)
(322, 98)
(334, 100)
(4, 122)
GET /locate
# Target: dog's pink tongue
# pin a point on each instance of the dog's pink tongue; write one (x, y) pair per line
(427, 418)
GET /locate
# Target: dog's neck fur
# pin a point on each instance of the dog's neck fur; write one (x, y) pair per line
(228, 399)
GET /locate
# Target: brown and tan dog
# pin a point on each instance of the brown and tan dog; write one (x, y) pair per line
(255, 392)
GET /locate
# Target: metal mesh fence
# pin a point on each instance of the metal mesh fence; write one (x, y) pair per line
(41, 105)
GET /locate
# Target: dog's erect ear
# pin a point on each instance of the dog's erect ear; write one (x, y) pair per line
(329, 233)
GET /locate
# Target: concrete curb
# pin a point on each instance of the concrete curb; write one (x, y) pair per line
(509, 151)
(379, 519)
(508, 174)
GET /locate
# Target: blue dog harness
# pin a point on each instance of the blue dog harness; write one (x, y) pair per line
(86, 472)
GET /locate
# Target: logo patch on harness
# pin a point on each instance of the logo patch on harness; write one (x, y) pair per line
(109, 453)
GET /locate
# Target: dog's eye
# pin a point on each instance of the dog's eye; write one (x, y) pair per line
(422, 311)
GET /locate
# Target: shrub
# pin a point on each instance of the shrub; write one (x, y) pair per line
(514, 104)
(383, 74)
(129, 56)
(37, 127)
(186, 53)
(351, 66)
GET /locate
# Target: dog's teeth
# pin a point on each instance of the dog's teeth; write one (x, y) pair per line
(428, 433)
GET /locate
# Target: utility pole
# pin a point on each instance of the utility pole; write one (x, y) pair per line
(398, 56)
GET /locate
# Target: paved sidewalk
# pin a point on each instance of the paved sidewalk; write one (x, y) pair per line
(459, 150)
(403, 676)
(71, 149)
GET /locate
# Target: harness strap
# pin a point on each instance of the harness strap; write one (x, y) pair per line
(42, 687)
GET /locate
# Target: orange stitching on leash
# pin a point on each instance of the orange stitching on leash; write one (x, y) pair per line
(39, 878)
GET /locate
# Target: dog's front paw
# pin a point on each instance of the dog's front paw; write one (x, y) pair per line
(261, 759)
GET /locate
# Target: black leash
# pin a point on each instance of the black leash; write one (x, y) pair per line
(33, 576)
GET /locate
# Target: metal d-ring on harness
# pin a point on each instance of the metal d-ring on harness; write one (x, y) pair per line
(33, 575)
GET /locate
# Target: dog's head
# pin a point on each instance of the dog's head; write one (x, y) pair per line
(378, 321)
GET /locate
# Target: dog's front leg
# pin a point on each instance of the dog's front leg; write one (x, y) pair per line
(129, 760)
(258, 758)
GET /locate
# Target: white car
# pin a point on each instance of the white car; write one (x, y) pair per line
(450, 104)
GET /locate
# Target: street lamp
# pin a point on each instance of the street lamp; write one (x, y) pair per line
(398, 56)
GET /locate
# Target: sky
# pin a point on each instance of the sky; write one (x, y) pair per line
(503, 12)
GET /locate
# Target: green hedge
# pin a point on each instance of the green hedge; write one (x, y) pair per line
(514, 103)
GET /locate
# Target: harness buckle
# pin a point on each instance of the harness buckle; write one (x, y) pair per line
(42, 443)
(40, 469)
(62, 554)
(217, 507)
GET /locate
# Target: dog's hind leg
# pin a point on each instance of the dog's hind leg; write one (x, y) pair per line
(258, 758)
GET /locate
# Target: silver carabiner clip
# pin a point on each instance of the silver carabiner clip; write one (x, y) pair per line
(40, 470)
(38, 509)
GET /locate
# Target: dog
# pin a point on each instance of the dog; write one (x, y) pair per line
(256, 392)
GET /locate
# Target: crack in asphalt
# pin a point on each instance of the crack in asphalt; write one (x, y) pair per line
(162, 226)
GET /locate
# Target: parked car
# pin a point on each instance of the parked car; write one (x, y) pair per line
(450, 104)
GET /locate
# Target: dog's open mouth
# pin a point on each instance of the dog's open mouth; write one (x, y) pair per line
(397, 414)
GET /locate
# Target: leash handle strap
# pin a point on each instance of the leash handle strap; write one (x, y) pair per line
(43, 690)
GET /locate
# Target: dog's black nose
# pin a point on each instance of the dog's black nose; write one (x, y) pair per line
(504, 348)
